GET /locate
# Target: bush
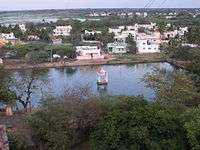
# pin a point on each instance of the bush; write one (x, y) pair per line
(17, 141)
(37, 56)
(133, 123)
(63, 122)
(191, 123)
(51, 127)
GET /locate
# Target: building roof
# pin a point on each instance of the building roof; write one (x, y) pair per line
(117, 44)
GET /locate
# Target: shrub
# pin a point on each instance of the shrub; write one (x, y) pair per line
(133, 123)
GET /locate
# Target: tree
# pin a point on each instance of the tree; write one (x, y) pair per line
(193, 35)
(51, 127)
(191, 123)
(161, 26)
(17, 32)
(44, 35)
(63, 122)
(133, 123)
(131, 44)
(173, 88)
(7, 96)
(27, 85)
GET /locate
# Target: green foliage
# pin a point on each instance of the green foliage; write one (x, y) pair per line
(193, 36)
(37, 56)
(44, 35)
(173, 88)
(51, 127)
(193, 66)
(133, 123)
(132, 44)
(191, 121)
(62, 50)
(17, 32)
(17, 141)
(7, 96)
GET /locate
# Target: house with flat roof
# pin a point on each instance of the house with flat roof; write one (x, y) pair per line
(8, 36)
(62, 30)
(22, 27)
(56, 41)
(148, 43)
(92, 32)
(88, 52)
(146, 46)
(117, 47)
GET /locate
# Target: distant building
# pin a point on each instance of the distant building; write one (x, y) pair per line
(117, 47)
(1, 61)
(7, 36)
(62, 30)
(146, 46)
(170, 34)
(120, 38)
(94, 14)
(92, 32)
(88, 52)
(190, 45)
(57, 41)
(145, 14)
(148, 43)
(22, 27)
(33, 37)
(146, 26)
(114, 30)
(182, 31)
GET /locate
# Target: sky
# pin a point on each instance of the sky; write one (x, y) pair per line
(68, 4)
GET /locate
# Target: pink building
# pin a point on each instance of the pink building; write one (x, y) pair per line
(88, 52)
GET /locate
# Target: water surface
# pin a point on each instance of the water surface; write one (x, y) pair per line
(123, 79)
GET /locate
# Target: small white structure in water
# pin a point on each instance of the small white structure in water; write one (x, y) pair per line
(1, 61)
(102, 77)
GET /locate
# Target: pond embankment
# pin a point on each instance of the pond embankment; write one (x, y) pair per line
(129, 59)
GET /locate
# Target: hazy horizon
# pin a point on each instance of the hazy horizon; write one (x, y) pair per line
(9, 5)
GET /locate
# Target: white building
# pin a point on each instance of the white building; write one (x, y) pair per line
(148, 43)
(62, 30)
(170, 34)
(22, 27)
(146, 26)
(57, 41)
(145, 14)
(94, 15)
(114, 30)
(88, 52)
(154, 37)
(1, 61)
(117, 47)
(145, 46)
(92, 32)
(8, 36)
(33, 37)
(120, 38)
(182, 31)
